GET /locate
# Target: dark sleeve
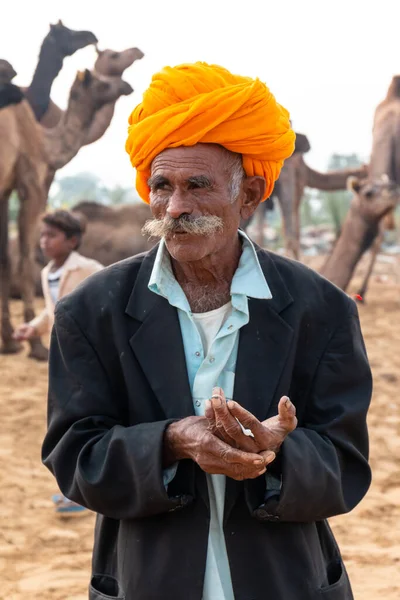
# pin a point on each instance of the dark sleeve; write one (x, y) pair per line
(109, 468)
(323, 465)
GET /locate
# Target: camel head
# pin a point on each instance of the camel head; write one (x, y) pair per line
(113, 64)
(67, 41)
(7, 72)
(373, 199)
(93, 89)
(302, 144)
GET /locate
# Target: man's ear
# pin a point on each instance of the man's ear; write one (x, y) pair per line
(253, 193)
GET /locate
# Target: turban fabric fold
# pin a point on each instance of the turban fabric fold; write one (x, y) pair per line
(201, 103)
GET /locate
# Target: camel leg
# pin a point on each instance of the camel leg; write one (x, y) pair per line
(31, 206)
(9, 345)
(298, 196)
(374, 253)
(287, 228)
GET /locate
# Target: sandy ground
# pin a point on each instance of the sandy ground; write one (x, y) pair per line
(44, 557)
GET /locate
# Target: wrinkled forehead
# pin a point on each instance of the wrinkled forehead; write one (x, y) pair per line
(200, 159)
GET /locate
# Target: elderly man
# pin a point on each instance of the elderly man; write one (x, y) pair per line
(171, 373)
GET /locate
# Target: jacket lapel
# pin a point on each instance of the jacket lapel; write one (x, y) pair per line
(264, 344)
(158, 345)
(71, 264)
(45, 285)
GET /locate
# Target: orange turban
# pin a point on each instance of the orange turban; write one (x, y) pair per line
(201, 103)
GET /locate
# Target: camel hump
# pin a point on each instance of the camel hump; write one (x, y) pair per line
(93, 211)
(10, 94)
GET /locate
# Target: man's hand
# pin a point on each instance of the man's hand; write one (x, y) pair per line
(268, 435)
(192, 438)
(24, 332)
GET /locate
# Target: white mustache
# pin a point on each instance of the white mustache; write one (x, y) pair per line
(205, 225)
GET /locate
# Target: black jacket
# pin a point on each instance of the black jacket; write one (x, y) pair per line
(118, 378)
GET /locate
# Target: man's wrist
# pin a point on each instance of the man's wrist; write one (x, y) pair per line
(171, 451)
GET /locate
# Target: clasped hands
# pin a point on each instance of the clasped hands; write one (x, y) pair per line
(217, 441)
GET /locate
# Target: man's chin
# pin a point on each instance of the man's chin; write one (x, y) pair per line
(186, 247)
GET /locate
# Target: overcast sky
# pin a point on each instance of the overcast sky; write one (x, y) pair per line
(328, 62)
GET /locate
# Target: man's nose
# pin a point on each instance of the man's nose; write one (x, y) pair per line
(179, 205)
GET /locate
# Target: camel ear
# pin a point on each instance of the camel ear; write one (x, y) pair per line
(353, 184)
(87, 78)
(84, 77)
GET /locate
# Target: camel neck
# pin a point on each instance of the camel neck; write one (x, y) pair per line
(356, 237)
(49, 65)
(65, 140)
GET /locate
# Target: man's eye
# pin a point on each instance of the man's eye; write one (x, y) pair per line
(196, 186)
(159, 187)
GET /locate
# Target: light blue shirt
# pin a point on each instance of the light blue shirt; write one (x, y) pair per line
(217, 368)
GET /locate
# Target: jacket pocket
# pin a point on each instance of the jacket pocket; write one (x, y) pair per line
(338, 587)
(105, 586)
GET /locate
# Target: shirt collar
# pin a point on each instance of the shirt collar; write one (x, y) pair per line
(248, 281)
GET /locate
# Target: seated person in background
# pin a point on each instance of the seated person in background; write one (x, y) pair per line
(60, 237)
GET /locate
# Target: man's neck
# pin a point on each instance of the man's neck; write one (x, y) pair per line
(207, 282)
(60, 261)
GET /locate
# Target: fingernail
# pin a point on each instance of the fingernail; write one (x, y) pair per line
(287, 402)
(258, 461)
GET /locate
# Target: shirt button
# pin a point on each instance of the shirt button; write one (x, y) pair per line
(197, 353)
(211, 359)
(198, 403)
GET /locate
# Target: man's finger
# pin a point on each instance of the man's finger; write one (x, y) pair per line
(228, 427)
(247, 419)
(268, 456)
(287, 412)
(209, 412)
(232, 455)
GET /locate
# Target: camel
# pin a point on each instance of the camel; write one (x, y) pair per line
(113, 233)
(59, 43)
(28, 152)
(372, 201)
(109, 63)
(385, 159)
(289, 190)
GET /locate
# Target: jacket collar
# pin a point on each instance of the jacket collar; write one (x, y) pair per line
(72, 263)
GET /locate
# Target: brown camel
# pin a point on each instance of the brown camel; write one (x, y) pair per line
(113, 233)
(59, 43)
(109, 63)
(385, 159)
(289, 190)
(28, 152)
(372, 200)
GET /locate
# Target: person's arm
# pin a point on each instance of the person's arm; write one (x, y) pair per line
(97, 461)
(40, 323)
(323, 465)
(108, 467)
